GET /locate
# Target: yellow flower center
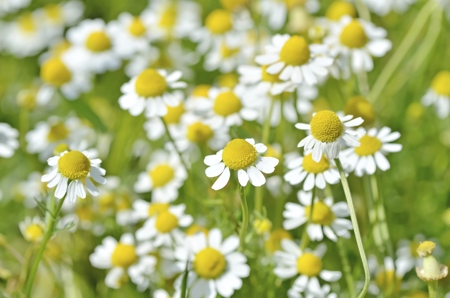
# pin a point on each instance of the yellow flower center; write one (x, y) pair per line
(150, 83)
(74, 165)
(194, 229)
(199, 133)
(60, 148)
(106, 202)
(274, 242)
(239, 154)
(368, 145)
(219, 21)
(315, 167)
(358, 106)
(55, 72)
(137, 27)
(267, 77)
(227, 103)
(233, 4)
(309, 264)
(353, 35)
(156, 208)
(201, 90)
(339, 9)
(295, 51)
(262, 226)
(124, 255)
(53, 12)
(228, 80)
(293, 3)
(168, 17)
(123, 203)
(326, 126)
(34, 233)
(209, 263)
(387, 280)
(227, 52)
(441, 83)
(174, 114)
(426, 248)
(85, 213)
(321, 214)
(60, 47)
(161, 175)
(27, 23)
(166, 222)
(98, 41)
(58, 132)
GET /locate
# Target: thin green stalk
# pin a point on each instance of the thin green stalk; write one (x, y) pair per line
(50, 226)
(305, 239)
(363, 83)
(373, 214)
(184, 281)
(174, 145)
(244, 224)
(346, 268)
(348, 197)
(433, 290)
(400, 53)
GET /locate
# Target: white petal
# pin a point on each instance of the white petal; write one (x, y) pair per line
(215, 170)
(222, 180)
(255, 176)
(243, 177)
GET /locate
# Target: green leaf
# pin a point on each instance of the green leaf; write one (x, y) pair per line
(84, 111)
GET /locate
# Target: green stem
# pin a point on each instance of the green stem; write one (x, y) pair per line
(373, 214)
(346, 268)
(50, 226)
(433, 289)
(174, 145)
(363, 83)
(348, 197)
(244, 224)
(400, 53)
(305, 239)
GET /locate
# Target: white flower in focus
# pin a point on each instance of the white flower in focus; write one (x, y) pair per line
(71, 172)
(8, 140)
(32, 229)
(383, 7)
(242, 156)
(277, 11)
(327, 218)
(327, 132)
(439, 94)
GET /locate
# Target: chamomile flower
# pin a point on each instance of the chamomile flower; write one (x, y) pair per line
(358, 106)
(242, 156)
(383, 7)
(338, 9)
(71, 172)
(93, 48)
(122, 258)
(8, 140)
(144, 210)
(312, 173)
(10, 6)
(155, 126)
(198, 101)
(327, 218)
(164, 227)
(407, 256)
(327, 132)
(293, 59)
(370, 154)
(356, 41)
(386, 277)
(273, 242)
(151, 91)
(307, 265)
(227, 58)
(324, 292)
(217, 268)
(277, 11)
(32, 229)
(165, 174)
(439, 94)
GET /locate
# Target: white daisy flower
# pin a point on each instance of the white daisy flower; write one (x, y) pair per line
(242, 156)
(277, 11)
(164, 227)
(227, 58)
(144, 210)
(327, 218)
(293, 59)
(71, 172)
(307, 265)
(200, 252)
(312, 173)
(355, 41)
(32, 229)
(11, 6)
(151, 91)
(155, 126)
(383, 7)
(324, 292)
(8, 140)
(439, 94)
(93, 48)
(198, 101)
(327, 132)
(122, 258)
(32, 189)
(370, 154)
(165, 174)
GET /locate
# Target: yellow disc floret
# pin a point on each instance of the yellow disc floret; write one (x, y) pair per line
(150, 83)
(353, 35)
(239, 154)
(156, 208)
(124, 255)
(34, 232)
(309, 264)
(368, 145)
(98, 41)
(201, 90)
(358, 106)
(195, 229)
(168, 17)
(274, 242)
(55, 72)
(326, 126)
(227, 52)
(228, 80)
(426, 248)
(57, 132)
(137, 27)
(321, 214)
(209, 263)
(338, 9)
(227, 103)
(166, 222)
(27, 23)
(53, 12)
(199, 133)
(441, 83)
(310, 166)
(267, 77)
(262, 226)
(219, 21)
(74, 165)
(174, 114)
(295, 51)
(161, 175)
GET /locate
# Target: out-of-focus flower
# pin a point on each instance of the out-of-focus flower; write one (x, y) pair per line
(10, 6)
(383, 7)
(32, 229)
(31, 189)
(439, 94)
(273, 242)
(358, 106)
(430, 270)
(8, 140)
(277, 11)
(155, 126)
(338, 9)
